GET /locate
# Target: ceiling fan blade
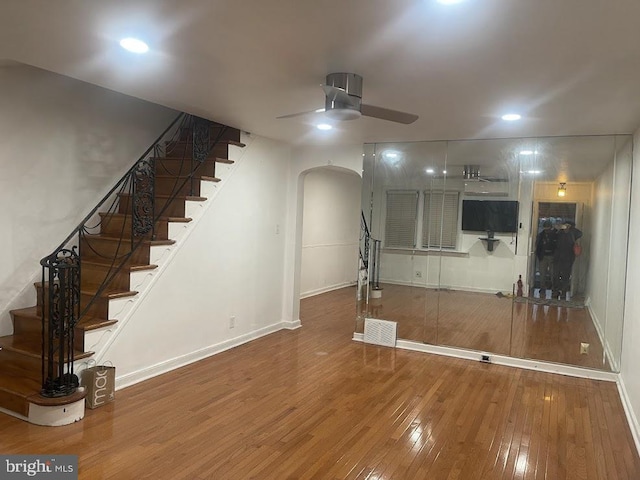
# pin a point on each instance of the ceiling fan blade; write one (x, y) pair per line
(386, 114)
(299, 114)
(338, 95)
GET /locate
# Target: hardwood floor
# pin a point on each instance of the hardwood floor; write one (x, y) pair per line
(313, 404)
(481, 321)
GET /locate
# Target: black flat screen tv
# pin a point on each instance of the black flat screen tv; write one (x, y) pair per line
(499, 216)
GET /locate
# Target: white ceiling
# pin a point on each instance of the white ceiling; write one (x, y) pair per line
(568, 66)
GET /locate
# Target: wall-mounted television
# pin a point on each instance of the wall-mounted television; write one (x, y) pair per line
(499, 216)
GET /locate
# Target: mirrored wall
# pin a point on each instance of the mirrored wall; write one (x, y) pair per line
(508, 246)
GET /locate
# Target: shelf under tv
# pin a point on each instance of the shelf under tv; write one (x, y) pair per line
(490, 241)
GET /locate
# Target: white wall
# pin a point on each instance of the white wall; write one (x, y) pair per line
(600, 242)
(618, 252)
(629, 372)
(330, 232)
(607, 268)
(231, 264)
(303, 160)
(64, 145)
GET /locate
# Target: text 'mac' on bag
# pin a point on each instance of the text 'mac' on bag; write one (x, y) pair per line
(100, 383)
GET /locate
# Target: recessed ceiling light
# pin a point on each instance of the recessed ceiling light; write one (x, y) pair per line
(134, 45)
(511, 117)
(444, 172)
(429, 170)
(528, 152)
(449, 2)
(324, 126)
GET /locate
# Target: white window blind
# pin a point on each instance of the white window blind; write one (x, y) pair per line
(401, 220)
(440, 219)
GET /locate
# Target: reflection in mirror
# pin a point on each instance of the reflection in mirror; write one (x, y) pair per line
(405, 194)
(456, 227)
(582, 196)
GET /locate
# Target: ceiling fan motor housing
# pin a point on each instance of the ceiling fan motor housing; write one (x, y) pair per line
(339, 108)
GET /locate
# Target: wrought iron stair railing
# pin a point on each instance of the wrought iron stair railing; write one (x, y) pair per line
(370, 250)
(187, 141)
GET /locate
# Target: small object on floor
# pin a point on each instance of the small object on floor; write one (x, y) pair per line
(520, 285)
(499, 294)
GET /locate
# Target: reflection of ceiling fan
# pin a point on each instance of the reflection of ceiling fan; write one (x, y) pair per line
(344, 101)
(471, 173)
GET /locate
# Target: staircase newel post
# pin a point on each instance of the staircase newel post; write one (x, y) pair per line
(62, 310)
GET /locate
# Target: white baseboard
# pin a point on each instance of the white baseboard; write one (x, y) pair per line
(603, 341)
(632, 420)
(291, 325)
(504, 360)
(330, 288)
(165, 366)
(443, 287)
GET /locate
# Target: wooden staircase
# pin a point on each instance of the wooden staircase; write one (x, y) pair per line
(20, 354)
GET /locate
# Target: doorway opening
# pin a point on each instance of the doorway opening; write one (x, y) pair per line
(541, 273)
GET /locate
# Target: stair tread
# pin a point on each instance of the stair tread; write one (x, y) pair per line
(159, 219)
(209, 179)
(86, 323)
(134, 267)
(180, 177)
(19, 384)
(222, 141)
(116, 293)
(31, 346)
(192, 198)
(38, 399)
(128, 240)
(109, 293)
(174, 159)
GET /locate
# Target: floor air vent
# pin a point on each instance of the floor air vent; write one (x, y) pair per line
(380, 332)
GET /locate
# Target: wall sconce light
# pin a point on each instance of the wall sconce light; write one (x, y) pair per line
(562, 190)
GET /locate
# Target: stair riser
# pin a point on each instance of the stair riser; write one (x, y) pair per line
(175, 208)
(15, 403)
(20, 364)
(28, 327)
(115, 225)
(185, 149)
(93, 276)
(169, 186)
(170, 166)
(101, 249)
(99, 308)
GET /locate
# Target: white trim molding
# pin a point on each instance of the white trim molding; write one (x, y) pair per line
(504, 360)
(632, 420)
(330, 288)
(147, 373)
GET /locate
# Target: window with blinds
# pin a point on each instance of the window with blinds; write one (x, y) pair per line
(440, 219)
(401, 220)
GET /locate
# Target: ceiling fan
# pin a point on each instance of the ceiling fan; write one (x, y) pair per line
(344, 102)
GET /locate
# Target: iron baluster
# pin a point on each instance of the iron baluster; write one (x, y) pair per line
(201, 142)
(143, 204)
